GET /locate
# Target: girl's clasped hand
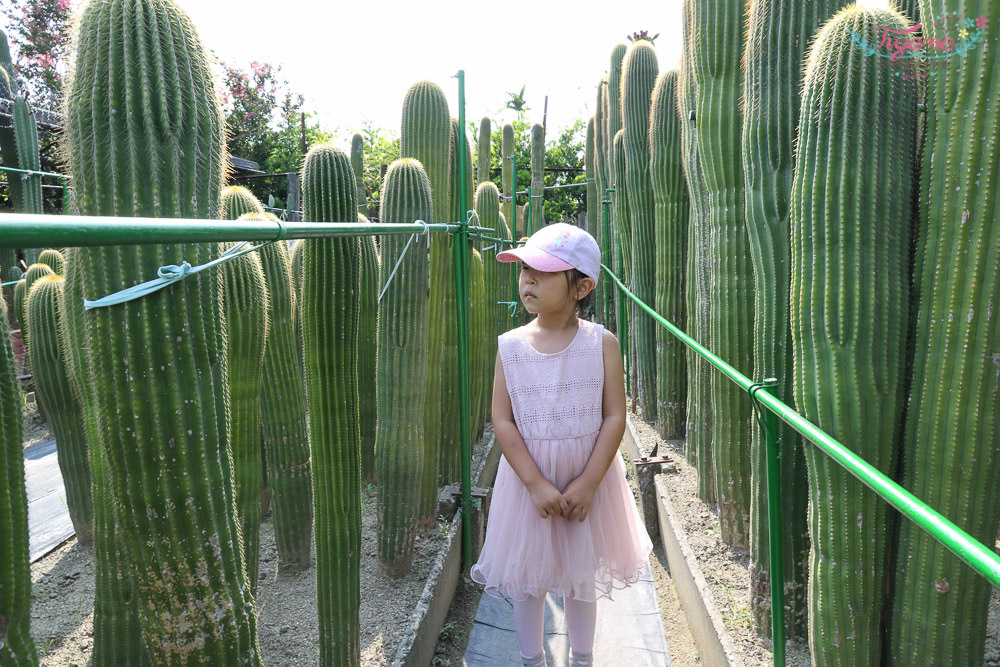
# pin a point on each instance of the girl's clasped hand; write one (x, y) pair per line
(573, 504)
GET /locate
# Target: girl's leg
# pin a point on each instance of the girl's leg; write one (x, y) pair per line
(529, 619)
(581, 620)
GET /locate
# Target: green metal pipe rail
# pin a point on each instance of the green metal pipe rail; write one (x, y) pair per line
(974, 553)
(25, 173)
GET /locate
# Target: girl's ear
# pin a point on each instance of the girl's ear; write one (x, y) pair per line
(585, 287)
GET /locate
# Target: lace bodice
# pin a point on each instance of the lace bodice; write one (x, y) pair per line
(555, 396)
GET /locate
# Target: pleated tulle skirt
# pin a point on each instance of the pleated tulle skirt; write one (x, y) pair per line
(526, 555)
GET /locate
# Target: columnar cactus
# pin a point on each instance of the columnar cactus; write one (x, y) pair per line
(283, 413)
(117, 632)
(331, 270)
(771, 115)
(238, 201)
(62, 409)
(34, 273)
(19, 302)
(593, 224)
(159, 361)
(16, 645)
(595, 221)
(487, 203)
(621, 213)
(671, 209)
(358, 164)
(483, 167)
(850, 276)
(950, 459)
(717, 45)
(537, 190)
(426, 137)
(369, 287)
(403, 356)
(639, 71)
(245, 301)
(698, 444)
(614, 102)
(479, 343)
(508, 175)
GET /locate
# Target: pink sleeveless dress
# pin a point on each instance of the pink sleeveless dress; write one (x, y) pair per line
(556, 399)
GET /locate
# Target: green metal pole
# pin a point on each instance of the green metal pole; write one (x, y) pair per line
(623, 324)
(462, 308)
(607, 243)
(513, 234)
(28, 230)
(772, 440)
(65, 200)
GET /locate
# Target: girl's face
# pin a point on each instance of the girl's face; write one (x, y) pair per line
(545, 292)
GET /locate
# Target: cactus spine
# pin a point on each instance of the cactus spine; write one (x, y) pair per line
(426, 136)
(283, 413)
(245, 295)
(63, 411)
(698, 287)
(403, 356)
(951, 445)
(671, 210)
(849, 294)
(358, 165)
(771, 115)
(484, 149)
(639, 71)
(159, 361)
(16, 645)
(370, 286)
(330, 315)
(717, 43)
(238, 201)
(537, 190)
(117, 633)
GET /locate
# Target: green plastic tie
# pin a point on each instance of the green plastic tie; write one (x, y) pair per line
(399, 261)
(167, 275)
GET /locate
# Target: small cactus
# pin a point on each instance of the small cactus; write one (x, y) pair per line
(54, 259)
(483, 167)
(237, 201)
(537, 194)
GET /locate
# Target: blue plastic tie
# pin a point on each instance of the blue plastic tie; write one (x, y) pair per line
(167, 275)
(511, 306)
(399, 261)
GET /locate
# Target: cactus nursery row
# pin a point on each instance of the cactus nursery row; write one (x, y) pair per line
(746, 195)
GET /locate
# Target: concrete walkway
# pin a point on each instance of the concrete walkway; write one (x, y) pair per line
(629, 631)
(48, 516)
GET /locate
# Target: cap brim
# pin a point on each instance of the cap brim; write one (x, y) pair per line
(536, 258)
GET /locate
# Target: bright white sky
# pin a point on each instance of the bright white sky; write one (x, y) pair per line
(354, 60)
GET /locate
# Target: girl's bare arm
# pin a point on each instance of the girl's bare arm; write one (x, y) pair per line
(548, 501)
(580, 492)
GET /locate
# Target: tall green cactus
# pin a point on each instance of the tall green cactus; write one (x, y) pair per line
(369, 287)
(16, 645)
(478, 343)
(34, 273)
(508, 175)
(358, 165)
(698, 443)
(237, 201)
(117, 632)
(593, 226)
(245, 301)
(595, 220)
(330, 310)
(717, 45)
(613, 99)
(772, 83)
(159, 361)
(283, 413)
(639, 71)
(950, 458)
(483, 156)
(402, 360)
(622, 214)
(426, 136)
(62, 409)
(537, 189)
(487, 204)
(850, 275)
(671, 209)
(19, 302)
(54, 260)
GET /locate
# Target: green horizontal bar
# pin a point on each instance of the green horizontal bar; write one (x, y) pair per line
(567, 185)
(24, 230)
(29, 172)
(977, 555)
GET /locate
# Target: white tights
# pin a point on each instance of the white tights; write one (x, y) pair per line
(529, 618)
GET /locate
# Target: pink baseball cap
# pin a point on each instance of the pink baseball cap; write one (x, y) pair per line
(558, 247)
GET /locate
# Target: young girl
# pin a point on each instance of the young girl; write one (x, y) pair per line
(562, 517)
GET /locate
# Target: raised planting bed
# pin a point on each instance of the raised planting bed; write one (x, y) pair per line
(400, 620)
(711, 578)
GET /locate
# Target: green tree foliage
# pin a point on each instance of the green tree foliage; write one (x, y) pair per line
(39, 32)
